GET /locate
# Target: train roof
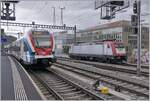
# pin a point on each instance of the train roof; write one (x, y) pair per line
(42, 30)
(99, 42)
(38, 30)
(27, 33)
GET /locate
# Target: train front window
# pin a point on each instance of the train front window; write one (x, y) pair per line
(120, 46)
(42, 39)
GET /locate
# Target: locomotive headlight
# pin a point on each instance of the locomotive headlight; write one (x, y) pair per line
(35, 53)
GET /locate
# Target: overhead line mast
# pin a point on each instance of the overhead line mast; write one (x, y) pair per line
(62, 8)
(54, 16)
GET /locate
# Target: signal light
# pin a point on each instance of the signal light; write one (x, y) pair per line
(135, 30)
(134, 20)
(135, 7)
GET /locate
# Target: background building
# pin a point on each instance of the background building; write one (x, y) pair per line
(63, 41)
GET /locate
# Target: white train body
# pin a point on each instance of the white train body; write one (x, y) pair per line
(105, 51)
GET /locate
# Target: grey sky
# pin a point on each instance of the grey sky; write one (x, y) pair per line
(77, 12)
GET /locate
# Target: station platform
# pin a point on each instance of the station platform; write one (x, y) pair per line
(16, 84)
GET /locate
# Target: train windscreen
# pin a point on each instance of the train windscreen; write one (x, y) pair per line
(42, 39)
(119, 45)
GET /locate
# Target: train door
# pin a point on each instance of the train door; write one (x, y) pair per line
(105, 49)
(109, 49)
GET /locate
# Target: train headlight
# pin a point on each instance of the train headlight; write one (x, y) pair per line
(35, 53)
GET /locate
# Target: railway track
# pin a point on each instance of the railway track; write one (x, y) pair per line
(125, 68)
(56, 87)
(123, 64)
(118, 83)
(43, 88)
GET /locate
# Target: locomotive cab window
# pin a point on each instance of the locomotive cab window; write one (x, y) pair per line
(42, 39)
(119, 46)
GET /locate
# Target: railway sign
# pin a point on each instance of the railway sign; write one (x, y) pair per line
(3, 39)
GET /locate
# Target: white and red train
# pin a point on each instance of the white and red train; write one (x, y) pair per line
(107, 51)
(34, 47)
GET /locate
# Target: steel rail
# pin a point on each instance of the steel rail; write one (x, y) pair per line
(145, 72)
(59, 96)
(46, 85)
(100, 78)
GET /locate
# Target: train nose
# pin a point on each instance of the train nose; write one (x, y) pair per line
(42, 53)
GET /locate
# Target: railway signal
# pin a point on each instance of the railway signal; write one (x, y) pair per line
(8, 10)
(135, 7)
(134, 18)
(136, 24)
